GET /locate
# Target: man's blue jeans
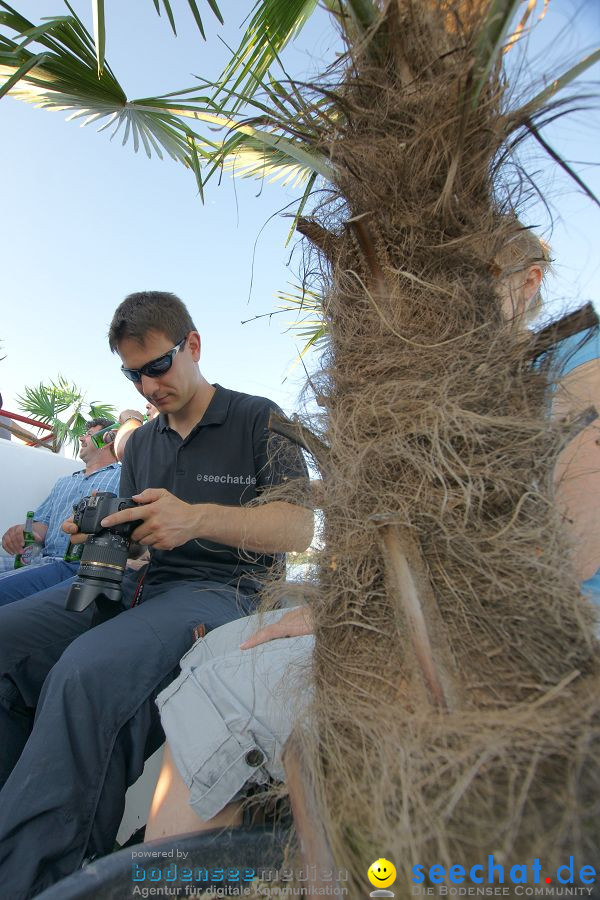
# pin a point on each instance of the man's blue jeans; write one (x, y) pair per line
(18, 583)
(78, 717)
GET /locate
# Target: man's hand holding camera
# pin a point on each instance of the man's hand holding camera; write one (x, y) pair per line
(167, 522)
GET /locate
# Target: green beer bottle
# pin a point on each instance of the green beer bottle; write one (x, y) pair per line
(73, 552)
(105, 436)
(32, 548)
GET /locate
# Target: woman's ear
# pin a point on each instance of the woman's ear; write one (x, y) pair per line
(532, 282)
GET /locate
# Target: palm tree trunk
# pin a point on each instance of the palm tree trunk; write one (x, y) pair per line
(457, 707)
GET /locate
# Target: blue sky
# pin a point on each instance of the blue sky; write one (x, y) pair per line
(87, 221)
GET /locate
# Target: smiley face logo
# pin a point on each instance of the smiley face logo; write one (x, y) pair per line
(382, 873)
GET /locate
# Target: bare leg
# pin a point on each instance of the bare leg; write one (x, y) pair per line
(170, 812)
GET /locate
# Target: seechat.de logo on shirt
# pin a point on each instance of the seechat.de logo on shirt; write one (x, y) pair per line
(525, 880)
(225, 479)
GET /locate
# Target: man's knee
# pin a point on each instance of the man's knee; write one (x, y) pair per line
(23, 624)
(82, 662)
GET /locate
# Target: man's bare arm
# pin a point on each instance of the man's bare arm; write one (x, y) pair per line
(169, 522)
(276, 527)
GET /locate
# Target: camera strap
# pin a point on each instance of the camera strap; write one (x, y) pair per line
(137, 596)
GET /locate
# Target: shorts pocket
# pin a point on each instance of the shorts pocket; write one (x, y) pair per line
(223, 775)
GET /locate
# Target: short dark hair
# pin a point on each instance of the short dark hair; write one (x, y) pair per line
(147, 311)
(102, 421)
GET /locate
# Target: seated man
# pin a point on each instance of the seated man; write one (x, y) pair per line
(101, 473)
(77, 710)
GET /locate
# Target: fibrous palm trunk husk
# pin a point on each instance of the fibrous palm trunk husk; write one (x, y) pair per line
(483, 736)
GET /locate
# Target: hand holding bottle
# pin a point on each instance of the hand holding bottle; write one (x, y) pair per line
(12, 540)
(32, 548)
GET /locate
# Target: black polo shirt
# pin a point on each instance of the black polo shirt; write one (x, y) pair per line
(228, 458)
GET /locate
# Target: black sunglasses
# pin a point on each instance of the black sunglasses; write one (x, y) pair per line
(155, 367)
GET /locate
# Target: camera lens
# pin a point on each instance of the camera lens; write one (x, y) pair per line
(101, 570)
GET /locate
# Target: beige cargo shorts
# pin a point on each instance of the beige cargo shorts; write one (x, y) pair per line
(229, 713)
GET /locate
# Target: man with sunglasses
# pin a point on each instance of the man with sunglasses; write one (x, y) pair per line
(101, 473)
(198, 471)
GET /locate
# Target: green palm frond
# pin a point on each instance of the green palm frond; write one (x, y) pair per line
(74, 429)
(48, 402)
(309, 324)
(557, 84)
(99, 20)
(301, 206)
(493, 35)
(364, 12)
(250, 158)
(67, 392)
(274, 24)
(276, 143)
(64, 77)
(61, 435)
(265, 162)
(99, 25)
(40, 402)
(195, 12)
(68, 64)
(276, 149)
(102, 411)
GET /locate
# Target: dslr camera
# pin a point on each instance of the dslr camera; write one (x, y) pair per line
(104, 554)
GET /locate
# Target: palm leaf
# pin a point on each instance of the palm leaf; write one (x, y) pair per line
(307, 306)
(561, 162)
(19, 73)
(46, 402)
(273, 25)
(252, 138)
(66, 79)
(69, 69)
(40, 402)
(255, 160)
(519, 31)
(170, 15)
(557, 84)
(102, 411)
(301, 206)
(78, 424)
(492, 36)
(99, 20)
(99, 25)
(66, 392)
(74, 429)
(364, 12)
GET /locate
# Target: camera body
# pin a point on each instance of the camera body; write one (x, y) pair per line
(104, 556)
(89, 512)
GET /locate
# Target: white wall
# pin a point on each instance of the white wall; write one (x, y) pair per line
(26, 476)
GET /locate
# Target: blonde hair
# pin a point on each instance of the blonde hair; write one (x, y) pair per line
(522, 249)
